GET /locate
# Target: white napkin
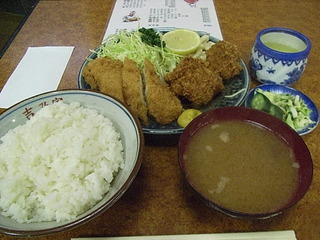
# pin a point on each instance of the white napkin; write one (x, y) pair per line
(271, 235)
(40, 70)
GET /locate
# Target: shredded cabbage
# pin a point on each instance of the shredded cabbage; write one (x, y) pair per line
(129, 44)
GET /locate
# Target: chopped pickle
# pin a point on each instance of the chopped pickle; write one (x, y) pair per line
(260, 102)
(285, 106)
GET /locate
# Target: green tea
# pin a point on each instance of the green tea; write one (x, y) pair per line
(281, 47)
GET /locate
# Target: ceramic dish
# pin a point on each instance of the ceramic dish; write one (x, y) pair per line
(239, 83)
(125, 123)
(280, 89)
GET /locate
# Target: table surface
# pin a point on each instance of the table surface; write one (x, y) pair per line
(158, 203)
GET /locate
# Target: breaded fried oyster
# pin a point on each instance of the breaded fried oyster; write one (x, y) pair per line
(193, 80)
(224, 57)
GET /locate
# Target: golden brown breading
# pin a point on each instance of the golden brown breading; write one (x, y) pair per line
(163, 105)
(91, 73)
(105, 75)
(193, 80)
(133, 90)
(224, 57)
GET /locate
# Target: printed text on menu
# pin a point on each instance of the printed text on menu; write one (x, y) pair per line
(198, 15)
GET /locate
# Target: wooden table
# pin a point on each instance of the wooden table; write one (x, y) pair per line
(158, 201)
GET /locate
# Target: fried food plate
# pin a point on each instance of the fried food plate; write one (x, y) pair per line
(233, 94)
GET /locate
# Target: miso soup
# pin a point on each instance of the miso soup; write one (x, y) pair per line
(242, 167)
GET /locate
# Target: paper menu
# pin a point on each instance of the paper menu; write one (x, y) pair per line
(198, 15)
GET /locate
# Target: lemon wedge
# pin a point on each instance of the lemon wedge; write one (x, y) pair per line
(187, 116)
(182, 41)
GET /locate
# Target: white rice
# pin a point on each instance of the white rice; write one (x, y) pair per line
(59, 164)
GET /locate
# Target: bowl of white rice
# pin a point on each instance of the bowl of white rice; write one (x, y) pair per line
(65, 157)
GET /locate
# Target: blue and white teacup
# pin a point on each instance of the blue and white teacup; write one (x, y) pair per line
(279, 55)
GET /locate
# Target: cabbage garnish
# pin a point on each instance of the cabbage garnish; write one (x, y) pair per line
(129, 44)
